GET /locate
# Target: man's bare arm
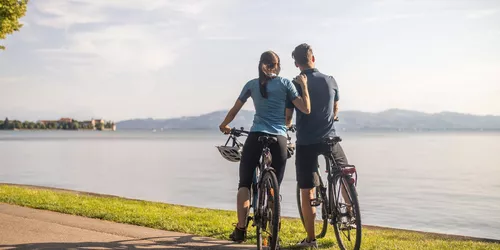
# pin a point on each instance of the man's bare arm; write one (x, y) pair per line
(289, 117)
(335, 110)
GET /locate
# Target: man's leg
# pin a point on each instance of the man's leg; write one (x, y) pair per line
(309, 212)
(306, 166)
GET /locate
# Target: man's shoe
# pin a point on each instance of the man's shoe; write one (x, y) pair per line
(238, 235)
(304, 243)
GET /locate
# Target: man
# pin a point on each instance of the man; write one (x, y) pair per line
(312, 130)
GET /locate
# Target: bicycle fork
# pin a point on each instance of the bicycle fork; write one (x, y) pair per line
(253, 200)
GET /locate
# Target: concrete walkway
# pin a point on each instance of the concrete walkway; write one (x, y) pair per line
(25, 228)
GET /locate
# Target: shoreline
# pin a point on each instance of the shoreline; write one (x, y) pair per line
(341, 133)
(56, 129)
(373, 227)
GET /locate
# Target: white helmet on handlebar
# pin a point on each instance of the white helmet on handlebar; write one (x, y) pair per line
(229, 153)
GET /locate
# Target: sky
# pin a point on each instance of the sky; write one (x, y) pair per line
(123, 59)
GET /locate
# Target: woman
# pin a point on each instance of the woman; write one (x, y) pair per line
(270, 94)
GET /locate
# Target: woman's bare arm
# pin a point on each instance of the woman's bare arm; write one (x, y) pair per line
(230, 116)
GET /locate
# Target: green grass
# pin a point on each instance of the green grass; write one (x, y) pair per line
(213, 223)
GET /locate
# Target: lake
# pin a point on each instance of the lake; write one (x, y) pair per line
(436, 182)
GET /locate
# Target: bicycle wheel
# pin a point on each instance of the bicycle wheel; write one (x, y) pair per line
(320, 226)
(268, 228)
(347, 223)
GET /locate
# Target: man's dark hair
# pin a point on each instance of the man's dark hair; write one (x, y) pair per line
(302, 54)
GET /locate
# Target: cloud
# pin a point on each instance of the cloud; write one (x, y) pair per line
(225, 38)
(478, 14)
(63, 14)
(375, 19)
(119, 35)
(64, 55)
(139, 47)
(220, 31)
(12, 79)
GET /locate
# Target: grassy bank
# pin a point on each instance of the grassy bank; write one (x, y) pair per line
(212, 223)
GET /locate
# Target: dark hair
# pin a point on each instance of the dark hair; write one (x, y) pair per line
(302, 54)
(269, 67)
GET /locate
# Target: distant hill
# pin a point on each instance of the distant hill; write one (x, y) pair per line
(393, 119)
(206, 121)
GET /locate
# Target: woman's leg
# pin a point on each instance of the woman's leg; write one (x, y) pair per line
(249, 160)
(279, 154)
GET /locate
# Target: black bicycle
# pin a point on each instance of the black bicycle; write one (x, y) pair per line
(264, 194)
(338, 200)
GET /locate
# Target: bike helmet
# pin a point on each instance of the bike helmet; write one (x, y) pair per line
(229, 153)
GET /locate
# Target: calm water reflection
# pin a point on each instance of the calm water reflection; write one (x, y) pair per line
(440, 182)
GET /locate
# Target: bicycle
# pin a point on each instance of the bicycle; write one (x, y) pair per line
(343, 215)
(264, 192)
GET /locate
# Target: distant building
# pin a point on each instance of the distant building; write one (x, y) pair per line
(94, 124)
(46, 122)
(69, 120)
(62, 120)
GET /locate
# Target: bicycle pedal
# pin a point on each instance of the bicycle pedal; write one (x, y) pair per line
(315, 202)
(248, 220)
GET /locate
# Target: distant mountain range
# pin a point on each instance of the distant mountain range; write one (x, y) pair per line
(393, 119)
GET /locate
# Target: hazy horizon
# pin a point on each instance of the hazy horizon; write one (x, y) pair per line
(120, 60)
(242, 110)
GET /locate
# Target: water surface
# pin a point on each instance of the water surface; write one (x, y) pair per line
(437, 182)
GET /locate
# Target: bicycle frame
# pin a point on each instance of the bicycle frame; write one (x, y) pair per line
(334, 174)
(264, 166)
(337, 174)
(337, 197)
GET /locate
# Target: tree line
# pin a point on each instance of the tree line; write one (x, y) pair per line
(74, 125)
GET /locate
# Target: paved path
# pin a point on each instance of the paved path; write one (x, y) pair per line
(25, 228)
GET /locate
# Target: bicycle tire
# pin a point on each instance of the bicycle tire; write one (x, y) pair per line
(273, 191)
(259, 237)
(353, 196)
(324, 213)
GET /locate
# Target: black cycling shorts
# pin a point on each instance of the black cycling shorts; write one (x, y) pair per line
(306, 162)
(252, 151)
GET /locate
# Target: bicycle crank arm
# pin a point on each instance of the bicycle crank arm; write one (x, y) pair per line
(316, 202)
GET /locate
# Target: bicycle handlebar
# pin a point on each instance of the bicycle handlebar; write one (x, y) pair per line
(238, 132)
